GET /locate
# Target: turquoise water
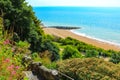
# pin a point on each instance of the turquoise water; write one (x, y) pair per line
(95, 22)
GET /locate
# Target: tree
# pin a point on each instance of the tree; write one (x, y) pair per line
(18, 17)
(20, 21)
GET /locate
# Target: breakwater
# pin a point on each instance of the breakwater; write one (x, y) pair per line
(64, 27)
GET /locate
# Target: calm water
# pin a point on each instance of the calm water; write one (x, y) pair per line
(98, 23)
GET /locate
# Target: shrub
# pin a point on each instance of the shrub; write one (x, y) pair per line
(86, 48)
(89, 69)
(91, 53)
(70, 52)
(115, 58)
(52, 48)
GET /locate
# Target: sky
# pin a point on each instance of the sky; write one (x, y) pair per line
(96, 3)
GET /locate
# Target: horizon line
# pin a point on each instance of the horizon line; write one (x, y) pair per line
(82, 6)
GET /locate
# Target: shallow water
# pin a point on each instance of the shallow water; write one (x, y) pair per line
(95, 22)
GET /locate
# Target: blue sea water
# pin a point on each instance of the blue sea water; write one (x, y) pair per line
(102, 23)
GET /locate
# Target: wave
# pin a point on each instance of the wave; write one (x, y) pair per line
(98, 39)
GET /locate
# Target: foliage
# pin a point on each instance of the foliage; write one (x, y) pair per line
(91, 53)
(22, 19)
(44, 58)
(35, 57)
(52, 48)
(115, 58)
(36, 40)
(22, 44)
(11, 64)
(70, 52)
(19, 23)
(1, 25)
(52, 65)
(89, 69)
(25, 78)
(87, 49)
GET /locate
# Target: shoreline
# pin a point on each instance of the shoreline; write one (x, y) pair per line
(63, 33)
(97, 39)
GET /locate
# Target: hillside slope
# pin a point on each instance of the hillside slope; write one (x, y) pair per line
(90, 69)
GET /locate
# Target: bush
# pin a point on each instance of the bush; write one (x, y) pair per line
(92, 53)
(52, 48)
(89, 69)
(89, 50)
(115, 58)
(70, 52)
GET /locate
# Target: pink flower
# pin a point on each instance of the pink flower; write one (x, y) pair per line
(6, 42)
(11, 67)
(7, 60)
(17, 67)
(13, 72)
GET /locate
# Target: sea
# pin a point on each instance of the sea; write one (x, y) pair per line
(100, 23)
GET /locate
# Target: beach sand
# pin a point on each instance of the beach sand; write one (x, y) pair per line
(66, 33)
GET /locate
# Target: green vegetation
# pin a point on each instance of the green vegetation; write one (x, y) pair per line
(21, 34)
(89, 69)
(115, 58)
(17, 17)
(20, 23)
(92, 53)
(86, 49)
(70, 52)
(11, 64)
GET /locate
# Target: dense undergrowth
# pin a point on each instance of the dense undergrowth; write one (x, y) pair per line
(72, 48)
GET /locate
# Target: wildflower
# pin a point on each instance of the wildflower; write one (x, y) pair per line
(17, 67)
(7, 42)
(13, 72)
(7, 60)
(11, 67)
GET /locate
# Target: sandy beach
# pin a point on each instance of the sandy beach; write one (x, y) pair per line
(66, 33)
